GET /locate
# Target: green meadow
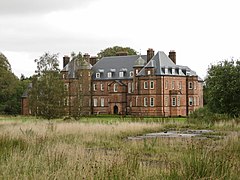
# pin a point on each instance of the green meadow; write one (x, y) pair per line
(99, 148)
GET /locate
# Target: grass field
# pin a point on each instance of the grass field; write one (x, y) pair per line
(98, 148)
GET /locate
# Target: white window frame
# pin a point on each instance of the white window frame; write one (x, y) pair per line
(94, 87)
(102, 87)
(166, 84)
(180, 85)
(151, 101)
(151, 84)
(190, 101)
(145, 84)
(121, 74)
(129, 87)
(95, 102)
(115, 87)
(178, 101)
(102, 102)
(97, 75)
(131, 73)
(149, 72)
(190, 85)
(145, 101)
(174, 101)
(109, 74)
(173, 84)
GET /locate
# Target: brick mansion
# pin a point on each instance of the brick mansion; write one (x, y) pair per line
(140, 85)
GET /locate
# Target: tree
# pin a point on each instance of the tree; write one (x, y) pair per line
(113, 51)
(223, 88)
(47, 94)
(10, 89)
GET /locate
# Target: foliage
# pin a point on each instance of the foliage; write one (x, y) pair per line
(11, 89)
(222, 88)
(47, 94)
(112, 51)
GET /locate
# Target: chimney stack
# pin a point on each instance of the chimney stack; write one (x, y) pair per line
(93, 60)
(66, 60)
(172, 56)
(150, 54)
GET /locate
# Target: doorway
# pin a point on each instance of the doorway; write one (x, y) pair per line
(115, 109)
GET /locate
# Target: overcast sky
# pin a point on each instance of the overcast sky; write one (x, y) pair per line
(200, 31)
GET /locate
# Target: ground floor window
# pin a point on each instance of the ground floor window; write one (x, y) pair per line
(174, 101)
(151, 101)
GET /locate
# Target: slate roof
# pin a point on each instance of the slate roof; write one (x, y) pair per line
(160, 61)
(116, 64)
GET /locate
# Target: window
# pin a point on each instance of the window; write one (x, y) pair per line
(190, 101)
(151, 101)
(102, 87)
(109, 74)
(63, 76)
(166, 84)
(130, 103)
(178, 101)
(145, 85)
(151, 85)
(136, 101)
(95, 102)
(97, 75)
(136, 71)
(94, 87)
(180, 85)
(115, 87)
(131, 74)
(195, 85)
(102, 102)
(121, 74)
(89, 74)
(174, 101)
(190, 85)
(166, 70)
(173, 71)
(65, 87)
(149, 72)
(145, 101)
(80, 74)
(80, 87)
(66, 102)
(166, 101)
(173, 84)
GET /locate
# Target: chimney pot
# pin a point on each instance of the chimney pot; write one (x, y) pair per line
(66, 60)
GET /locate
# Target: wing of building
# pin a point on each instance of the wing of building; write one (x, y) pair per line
(141, 85)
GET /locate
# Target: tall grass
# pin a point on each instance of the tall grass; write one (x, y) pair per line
(76, 150)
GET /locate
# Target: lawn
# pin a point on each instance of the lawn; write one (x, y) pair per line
(99, 148)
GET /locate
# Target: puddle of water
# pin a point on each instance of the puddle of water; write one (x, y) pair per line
(173, 134)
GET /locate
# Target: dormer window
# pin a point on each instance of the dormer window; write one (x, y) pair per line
(97, 75)
(131, 74)
(109, 74)
(121, 74)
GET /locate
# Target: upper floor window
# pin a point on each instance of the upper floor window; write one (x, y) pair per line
(102, 87)
(94, 87)
(190, 85)
(149, 72)
(109, 74)
(65, 87)
(97, 75)
(131, 74)
(180, 85)
(89, 74)
(178, 101)
(166, 84)
(129, 87)
(173, 84)
(145, 85)
(80, 87)
(151, 85)
(121, 74)
(166, 101)
(136, 71)
(151, 101)
(63, 76)
(115, 87)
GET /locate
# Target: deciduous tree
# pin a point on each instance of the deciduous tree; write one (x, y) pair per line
(223, 88)
(113, 51)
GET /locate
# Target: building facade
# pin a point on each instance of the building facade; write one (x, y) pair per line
(139, 85)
